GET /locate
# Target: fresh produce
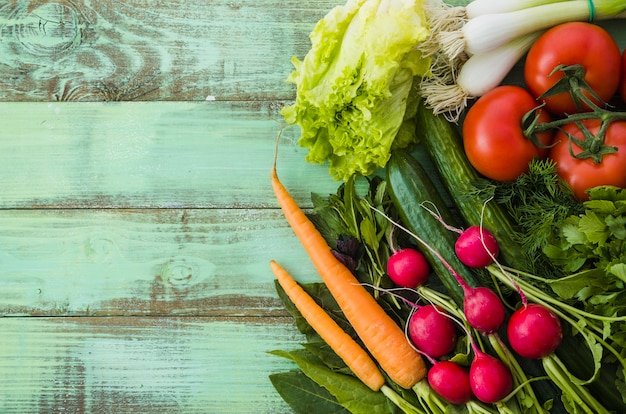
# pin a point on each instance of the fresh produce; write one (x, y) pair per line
(488, 31)
(593, 239)
(357, 237)
(432, 331)
(534, 331)
(587, 157)
(476, 247)
(573, 46)
(354, 100)
(493, 137)
(447, 90)
(622, 81)
(408, 268)
(409, 186)
(451, 381)
(575, 396)
(479, 7)
(483, 309)
(579, 275)
(346, 348)
(378, 331)
(490, 379)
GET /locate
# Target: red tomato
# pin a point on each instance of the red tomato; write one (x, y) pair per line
(622, 82)
(493, 137)
(583, 174)
(568, 44)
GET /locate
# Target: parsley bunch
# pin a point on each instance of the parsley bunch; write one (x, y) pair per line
(596, 238)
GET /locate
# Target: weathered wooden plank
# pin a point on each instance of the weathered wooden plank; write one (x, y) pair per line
(152, 50)
(142, 365)
(149, 155)
(145, 262)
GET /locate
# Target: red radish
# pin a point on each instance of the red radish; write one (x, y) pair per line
(451, 381)
(534, 331)
(408, 268)
(432, 331)
(476, 247)
(483, 309)
(490, 379)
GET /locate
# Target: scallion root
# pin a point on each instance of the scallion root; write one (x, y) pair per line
(442, 18)
(446, 98)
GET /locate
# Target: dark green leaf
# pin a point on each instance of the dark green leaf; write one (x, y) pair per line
(349, 391)
(321, 350)
(303, 395)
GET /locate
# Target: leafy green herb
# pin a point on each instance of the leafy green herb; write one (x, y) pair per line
(595, 238)
(593, 244)
(538, 202)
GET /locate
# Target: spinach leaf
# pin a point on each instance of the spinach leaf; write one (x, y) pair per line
(349, 391)
(303, 394)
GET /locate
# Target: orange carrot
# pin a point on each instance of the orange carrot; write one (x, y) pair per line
(355, 357)
(384, 339)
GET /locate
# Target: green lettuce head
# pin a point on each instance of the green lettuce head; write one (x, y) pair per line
(354, 88)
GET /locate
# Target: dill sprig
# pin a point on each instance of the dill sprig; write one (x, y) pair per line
(538, 202)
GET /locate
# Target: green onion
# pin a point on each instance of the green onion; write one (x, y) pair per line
(477, 76)
(479, 7)
(489, 31)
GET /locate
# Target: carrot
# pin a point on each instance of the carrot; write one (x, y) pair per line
(355, 357)
(384, 339)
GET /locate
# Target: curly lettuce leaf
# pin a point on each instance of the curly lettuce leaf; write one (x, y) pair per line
(353, 88)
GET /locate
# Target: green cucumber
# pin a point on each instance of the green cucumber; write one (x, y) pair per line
(409, 187)
(442, 141)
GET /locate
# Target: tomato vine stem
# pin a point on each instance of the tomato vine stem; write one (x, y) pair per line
(592, 146)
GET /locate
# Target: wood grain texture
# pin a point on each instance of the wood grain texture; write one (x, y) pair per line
(114, 50)
(142, 365)
(88, 262)
(150, 155)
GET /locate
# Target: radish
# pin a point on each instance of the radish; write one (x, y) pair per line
(483, 309)
(490, 379)
(451, 381)
(476, 247)
(408, 268)
(432, 331)
(534, 331)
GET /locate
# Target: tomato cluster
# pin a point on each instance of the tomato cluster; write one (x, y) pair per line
(579, 57)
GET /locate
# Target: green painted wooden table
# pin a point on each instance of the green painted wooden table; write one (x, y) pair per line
(136, 219)
(136, 216)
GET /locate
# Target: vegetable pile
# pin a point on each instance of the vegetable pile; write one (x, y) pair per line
(501, 288)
